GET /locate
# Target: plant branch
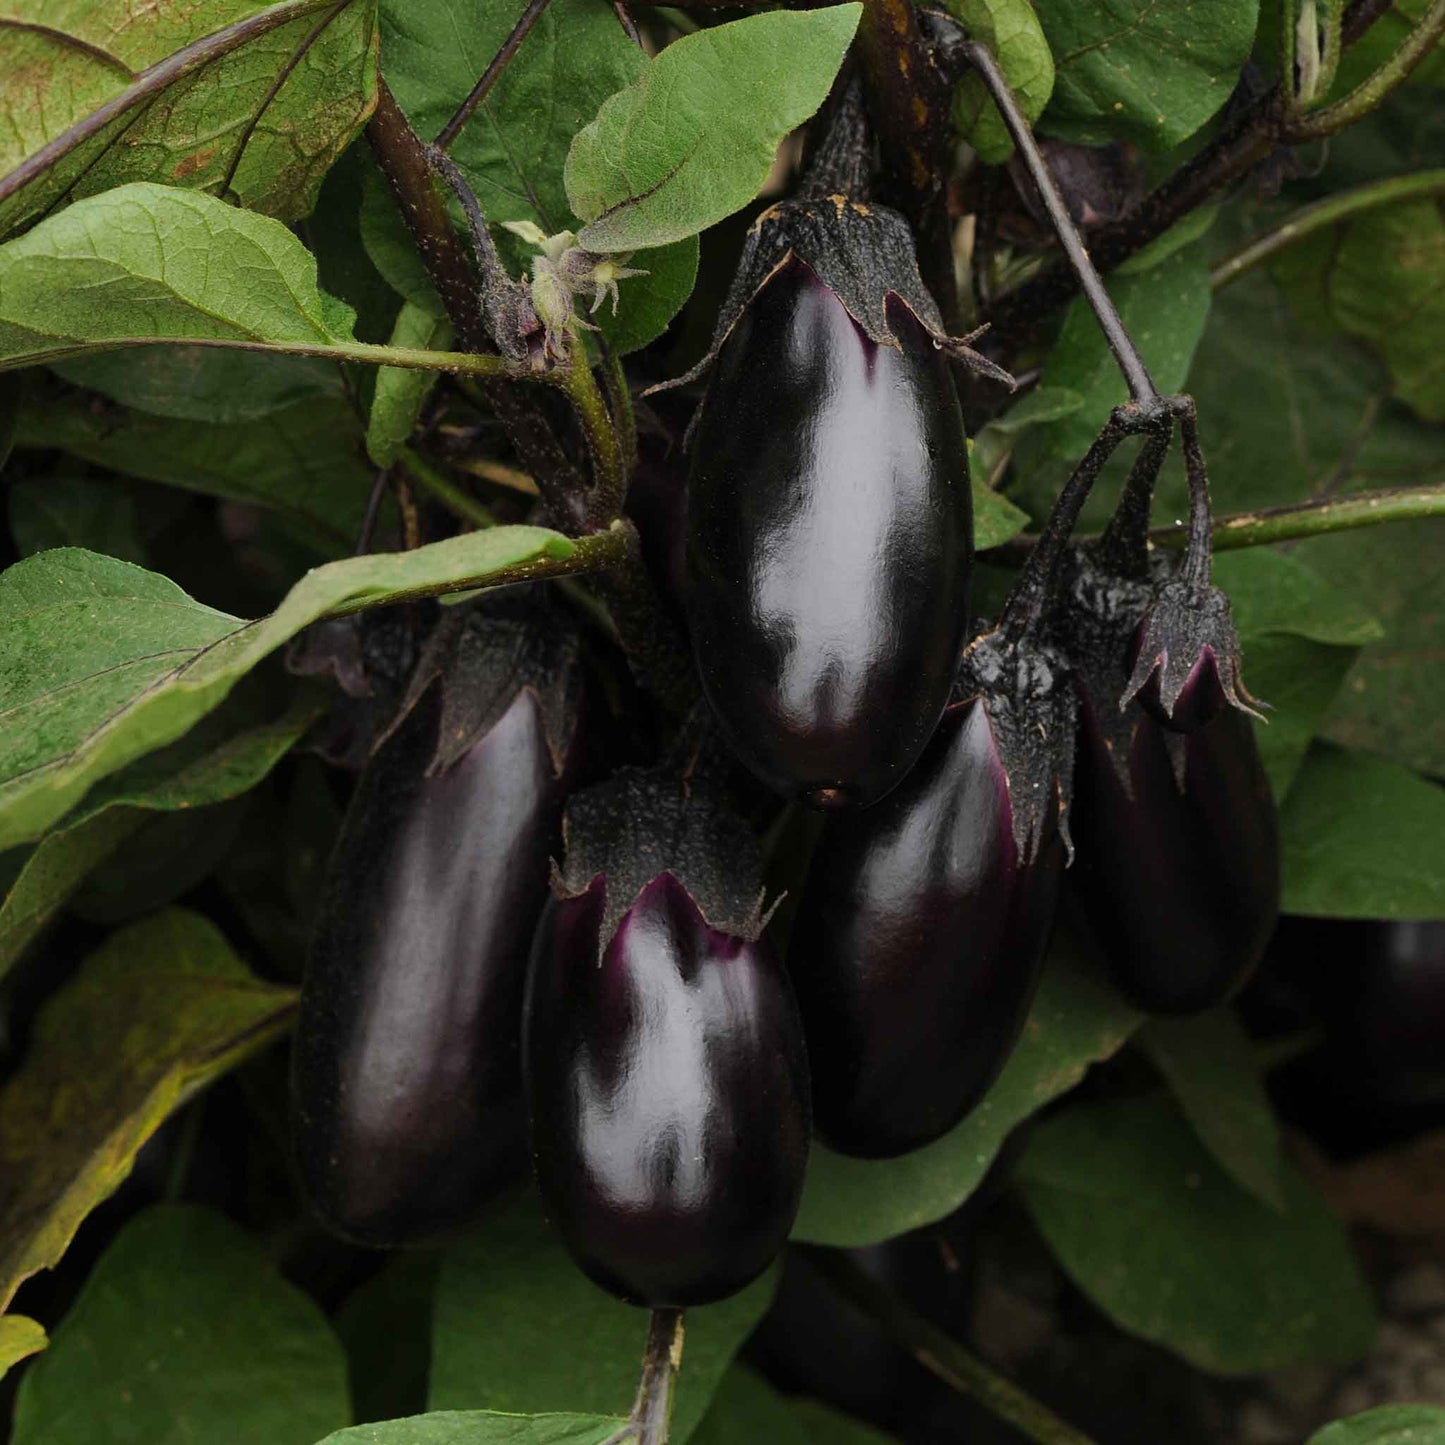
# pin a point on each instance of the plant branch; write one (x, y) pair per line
(1329, 212)
(941, 1355)
(609, 463)
(1285, 524)
(1240, 145)
(150, 82)
(403, 158)
(1422, 38)
(500, 60)
(1136, 374)
(909, 104)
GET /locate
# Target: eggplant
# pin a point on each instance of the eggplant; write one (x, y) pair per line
(918, 944)
(407, 1105)
(666, 1073)
(829, 543)
(1178, 855)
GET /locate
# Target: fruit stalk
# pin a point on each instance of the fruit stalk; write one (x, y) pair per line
(652, 1410)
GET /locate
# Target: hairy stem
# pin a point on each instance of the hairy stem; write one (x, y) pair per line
(1414, 48)
(403, 158)
(1329, 212)
(1124, 547)
(1198, 548)
(1316, 519)
(604, 445)
(156, 78)
(488, 79)
(1136, 374)
(943, 1356)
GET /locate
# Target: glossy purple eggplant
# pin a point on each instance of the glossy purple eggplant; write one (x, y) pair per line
(668, 1086)
(408, 1113)
(1178, 855)
(828, 542)
(918, 944)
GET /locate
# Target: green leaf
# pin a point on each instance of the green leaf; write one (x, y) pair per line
(19, 1339)
(265, 121)
(513, 150)
(1012, 32)
(826, 1426)
(518, 1327)
(203, 384)
(1394, 697)
(158, 1011)
(401, 393)
(1176, 238)
(995, 518)
(305, 463)
(1077, 1020)
(1388, 1425)
(1209, 1063)
(153, 263)
(1299, 635)
(106, 662)
(1158, 1236)
(185, 1332)
(693, 140)
(212, 763)
(63, 511)
(1136, 70)
(482, 1427)
(1387, 286)
(1360, 838)
(1164, 310)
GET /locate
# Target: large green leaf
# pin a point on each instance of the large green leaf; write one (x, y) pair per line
(212, 763)
(1164, 309)
(482, 1427)
(154, 263)
(1137, 70)
(203, 384)
(1299, 634)
(265, 121)
(105, 662)
(518, 1327)
(305, 463)
(693, 140)
(1360, 838)
(1159, 1237)
(156, 1013)
(1209, 1063)
(185, 1332)
(62, 511)
(1011, 30)
(1387, 286)
(513, 150)
(1388, 1425)
(1077, 1020)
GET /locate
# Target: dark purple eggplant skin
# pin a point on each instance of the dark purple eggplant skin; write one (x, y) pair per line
(1181, 887)
(917, 947)
(408, 1113)
(1201, 700)
(829, 543)
(669, 1097)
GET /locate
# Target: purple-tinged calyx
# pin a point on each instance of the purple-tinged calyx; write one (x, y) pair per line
(1186, 665)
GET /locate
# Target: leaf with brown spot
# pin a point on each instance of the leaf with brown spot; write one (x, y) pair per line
(155, 1014)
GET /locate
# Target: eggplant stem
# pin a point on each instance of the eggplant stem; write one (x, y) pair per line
(1124, 547)
(1136, 374)
(1196, 567)
(488, 77)
(652, 1410)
